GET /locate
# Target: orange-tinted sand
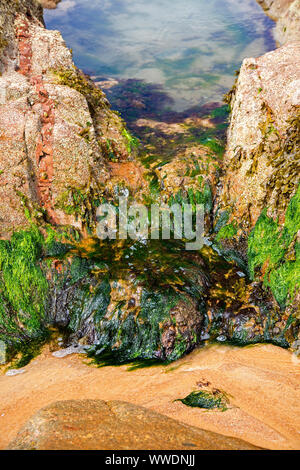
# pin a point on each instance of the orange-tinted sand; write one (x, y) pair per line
(263, 382)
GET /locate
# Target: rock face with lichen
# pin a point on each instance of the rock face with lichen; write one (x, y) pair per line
(262, 157)
(55, 126)
(257, 211)
(286, 13)
(50, 4)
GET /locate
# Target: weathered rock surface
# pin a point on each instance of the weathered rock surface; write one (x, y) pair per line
(54, 126)
(63, 151)
(262, 157)
(287, 15)
(259, 196)
(100, 425)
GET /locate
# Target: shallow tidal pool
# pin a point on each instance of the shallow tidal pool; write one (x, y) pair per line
(191, 48)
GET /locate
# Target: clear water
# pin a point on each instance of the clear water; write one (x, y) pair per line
(191, 47)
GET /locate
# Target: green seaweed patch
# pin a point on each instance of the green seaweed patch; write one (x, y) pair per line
(227, 232)
(269, 247)
(285, 280)
(194, 197)
(23, 287)
(221, 112)
(109, 153)
(75, 79)
(207, 400)
(81, 203)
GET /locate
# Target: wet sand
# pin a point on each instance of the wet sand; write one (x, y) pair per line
(262, 380)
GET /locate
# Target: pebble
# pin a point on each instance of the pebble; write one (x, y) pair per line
(13, 372)
(70, 350)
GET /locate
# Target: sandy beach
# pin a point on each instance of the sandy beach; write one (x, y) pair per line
(262, 381)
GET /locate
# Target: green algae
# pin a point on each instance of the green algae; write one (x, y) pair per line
(25, 352)
(268, 248)
(285, 280)
(75, 201)
(214, 145)
(23, 286)
(109, 152)
(81, 203)
(220, 112)
(207, 400)
(111, 359)
(75, 79)
(194, 197)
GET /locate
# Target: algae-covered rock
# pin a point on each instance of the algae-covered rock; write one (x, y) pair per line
(287, 15)
(257, 212)
(23, 288)
(55, 126)
(137, 302)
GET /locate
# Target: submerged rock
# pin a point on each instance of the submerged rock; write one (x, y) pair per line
(100, 425)
(262, 157)
(76, 349)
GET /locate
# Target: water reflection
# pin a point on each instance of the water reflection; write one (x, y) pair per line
(192, 48)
